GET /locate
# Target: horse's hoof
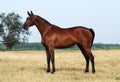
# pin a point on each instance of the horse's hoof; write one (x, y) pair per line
(47, 71)
(52, 72)
(86, 71)
(93, 71)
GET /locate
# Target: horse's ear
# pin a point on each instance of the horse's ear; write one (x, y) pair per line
(28, 13)
(31, 13)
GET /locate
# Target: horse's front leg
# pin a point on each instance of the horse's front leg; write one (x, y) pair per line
(51, 50)
(48, 60)
(53, 63)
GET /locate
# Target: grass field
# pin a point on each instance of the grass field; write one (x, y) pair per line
(30, 66)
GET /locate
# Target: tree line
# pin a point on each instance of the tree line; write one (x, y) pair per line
(39, 46)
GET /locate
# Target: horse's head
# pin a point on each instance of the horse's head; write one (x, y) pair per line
(29, 20)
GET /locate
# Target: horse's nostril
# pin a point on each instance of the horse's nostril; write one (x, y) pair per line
(24, 26)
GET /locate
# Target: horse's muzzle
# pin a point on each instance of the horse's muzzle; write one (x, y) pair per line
(25, 26)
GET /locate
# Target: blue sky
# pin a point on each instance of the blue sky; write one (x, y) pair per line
(101, 15)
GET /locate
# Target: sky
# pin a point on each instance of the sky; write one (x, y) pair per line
(103, 16)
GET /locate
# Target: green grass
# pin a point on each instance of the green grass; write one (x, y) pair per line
(30, 66)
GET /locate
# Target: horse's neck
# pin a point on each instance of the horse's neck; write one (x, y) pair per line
(42, 26)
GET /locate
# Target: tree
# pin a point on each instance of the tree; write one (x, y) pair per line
(11, 31)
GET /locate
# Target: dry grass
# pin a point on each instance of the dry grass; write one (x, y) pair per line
(29, 66)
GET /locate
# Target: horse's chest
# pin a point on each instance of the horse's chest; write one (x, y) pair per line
(43, 41)
(46, 41)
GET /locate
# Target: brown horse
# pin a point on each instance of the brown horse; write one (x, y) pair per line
(56, 37)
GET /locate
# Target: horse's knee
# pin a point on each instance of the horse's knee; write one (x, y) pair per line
(92, 58)
(52, 60)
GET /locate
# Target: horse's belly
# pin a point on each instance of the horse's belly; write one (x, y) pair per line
(64, 46)
(65, 43)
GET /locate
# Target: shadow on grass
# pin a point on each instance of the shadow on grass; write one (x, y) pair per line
(68, 69)
(117, 78)
(63, 69)
(60, 69)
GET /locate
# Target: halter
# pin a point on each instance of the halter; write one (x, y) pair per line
(30, 22)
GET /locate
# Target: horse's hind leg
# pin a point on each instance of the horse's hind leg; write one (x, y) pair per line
(91, 57)
(93, 67)
(88, 55)
(86, 58)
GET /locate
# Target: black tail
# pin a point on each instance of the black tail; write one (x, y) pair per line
(93, 33)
